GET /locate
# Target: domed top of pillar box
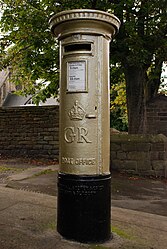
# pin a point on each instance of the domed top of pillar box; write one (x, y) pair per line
(84, 21)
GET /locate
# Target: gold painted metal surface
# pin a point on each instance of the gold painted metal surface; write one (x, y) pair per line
(84, 37)
(76, 21)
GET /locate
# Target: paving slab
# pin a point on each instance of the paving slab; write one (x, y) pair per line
(147, 229)
(28, 209)
(28, 220)
(30, 172)
(141, 194)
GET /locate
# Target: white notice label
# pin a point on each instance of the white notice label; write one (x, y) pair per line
(76, 76)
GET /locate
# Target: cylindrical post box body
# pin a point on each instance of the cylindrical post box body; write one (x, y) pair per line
(84, 196)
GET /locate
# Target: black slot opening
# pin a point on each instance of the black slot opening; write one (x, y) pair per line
(77, 47)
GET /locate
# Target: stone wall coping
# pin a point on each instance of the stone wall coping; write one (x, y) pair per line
(158, 98)
(27, 107)
(137, 138)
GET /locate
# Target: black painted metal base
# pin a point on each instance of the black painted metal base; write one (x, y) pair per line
(84, 205)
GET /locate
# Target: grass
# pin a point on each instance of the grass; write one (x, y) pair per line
(121, 233)
(49, 226)
(97, 247)
(45, 172)
(7, 169)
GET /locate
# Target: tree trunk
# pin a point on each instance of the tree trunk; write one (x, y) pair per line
(136, 103)
(155, 80)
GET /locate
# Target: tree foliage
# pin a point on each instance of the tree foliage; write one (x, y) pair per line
(140, 47)
(142, 41)
(28, 47)
(118, 117)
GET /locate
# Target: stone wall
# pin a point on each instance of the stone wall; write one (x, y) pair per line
(29, 131)
(139, 154)
(157, 115)
(34, 132)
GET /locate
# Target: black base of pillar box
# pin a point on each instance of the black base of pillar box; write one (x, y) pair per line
(84, 208)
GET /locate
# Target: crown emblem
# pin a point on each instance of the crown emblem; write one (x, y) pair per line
(76, 112)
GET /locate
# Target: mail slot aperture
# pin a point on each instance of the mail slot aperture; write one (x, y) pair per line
(77, 47)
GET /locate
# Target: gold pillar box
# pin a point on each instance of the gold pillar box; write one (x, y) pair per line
(84, 180)
(84, 37)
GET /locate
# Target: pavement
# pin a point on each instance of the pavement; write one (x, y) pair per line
(28, 202)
